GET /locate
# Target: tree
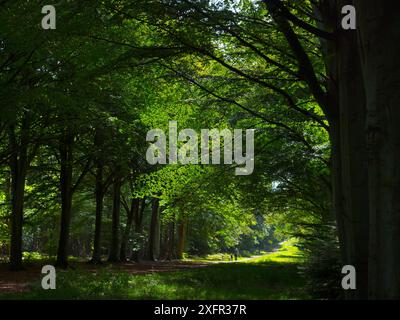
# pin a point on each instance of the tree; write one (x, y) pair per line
(154, 230)
(341, 86)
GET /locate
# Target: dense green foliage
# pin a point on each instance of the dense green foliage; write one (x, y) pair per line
(105, 76)
(77, 102)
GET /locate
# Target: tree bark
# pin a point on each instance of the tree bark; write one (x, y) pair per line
(347, 120)
(99, 192)
(114, 248)
(66, 158)
(18, 169)
(138, 229)
(353, 154)
(379, 34)
(153, 229)
(181, 238)
(168, 244)
(134, 209)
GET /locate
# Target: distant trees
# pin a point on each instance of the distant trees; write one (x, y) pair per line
(77, 107)
(77, 101)
(299, 55)
(73, 145)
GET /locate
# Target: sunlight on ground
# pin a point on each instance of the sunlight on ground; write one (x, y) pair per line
(273, 276)
(287, 253)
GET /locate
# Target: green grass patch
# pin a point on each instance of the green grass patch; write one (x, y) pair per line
(288, 253)
(274, 276)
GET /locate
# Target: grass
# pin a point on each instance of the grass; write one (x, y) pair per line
(273, 276)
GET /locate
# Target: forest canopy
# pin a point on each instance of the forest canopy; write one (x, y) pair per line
(79, 99)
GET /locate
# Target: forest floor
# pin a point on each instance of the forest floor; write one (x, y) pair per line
(272, 276)
(20, 281)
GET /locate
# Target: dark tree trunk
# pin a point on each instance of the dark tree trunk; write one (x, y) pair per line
(131, 213)
(368, 74)
(350, 175)
(181, 238)
(66, 158)
(139, 217)
(347, 119)
(153, 229)
(96, 258)
(7, 192)
(354, 156)
(158, 234)
(171, 239)
(379, 33)
(114, 248)
(168, 243)
(138, 229)
(18, 169)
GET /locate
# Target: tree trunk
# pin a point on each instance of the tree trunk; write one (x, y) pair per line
(171, 246)
(96, 258)
(158, 235)
(168, 245)
(153, 229)
(346, 98)
(138, 229)
(114, 248)
(354, 156)
(66, 158)
(181, 238)
(7, 192)
(134, 209)
(18, 169)
(379, 33)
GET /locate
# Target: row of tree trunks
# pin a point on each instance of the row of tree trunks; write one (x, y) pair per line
(118, 248)
(162, 243)
(18, 168)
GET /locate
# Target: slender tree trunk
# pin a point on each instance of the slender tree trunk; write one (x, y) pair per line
(114, 248)
(164, 243)
(181, 238)
(66, 157)
(138, 229)
(168, 244)
(153, 229)
(18, 169)
(158, 235)
(134, 209)
(7, 192)
(96, 258)
(171, 246)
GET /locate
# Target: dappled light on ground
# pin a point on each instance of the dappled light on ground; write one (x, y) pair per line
(272, 276)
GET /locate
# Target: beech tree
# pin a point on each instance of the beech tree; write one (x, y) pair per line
(306, 42)
(77, 101)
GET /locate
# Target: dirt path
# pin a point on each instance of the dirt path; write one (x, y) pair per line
(18, 281)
